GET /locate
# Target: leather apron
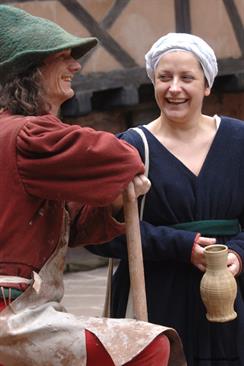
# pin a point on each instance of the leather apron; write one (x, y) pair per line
(36, 330)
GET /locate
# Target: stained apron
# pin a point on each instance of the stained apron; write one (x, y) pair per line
(36, 330)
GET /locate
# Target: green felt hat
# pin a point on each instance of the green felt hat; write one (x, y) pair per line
(25, 40)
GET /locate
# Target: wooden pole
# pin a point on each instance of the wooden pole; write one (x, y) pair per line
(135, 258)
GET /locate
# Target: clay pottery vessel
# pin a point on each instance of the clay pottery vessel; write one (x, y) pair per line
(218, 287)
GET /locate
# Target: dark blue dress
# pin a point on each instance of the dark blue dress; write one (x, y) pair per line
(172, 282)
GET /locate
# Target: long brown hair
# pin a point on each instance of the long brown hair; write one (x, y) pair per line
(24, 94)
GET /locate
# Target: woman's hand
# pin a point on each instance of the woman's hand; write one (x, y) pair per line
(197, 256)
(198, 259)
(233, 263)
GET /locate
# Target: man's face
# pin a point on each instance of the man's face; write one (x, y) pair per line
(58, 71)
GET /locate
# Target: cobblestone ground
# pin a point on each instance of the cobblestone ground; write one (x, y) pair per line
(85, 289)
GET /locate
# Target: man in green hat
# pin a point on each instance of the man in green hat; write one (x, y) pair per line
(59, 184)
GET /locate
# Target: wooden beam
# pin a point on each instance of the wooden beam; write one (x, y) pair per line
(8, 2)
(113, 13)
(182, 16)
(107, 22)
(229, 83)
(236, 22)
(111, 80)
(230, 66)
(80, 13)
(84, 102)
(120, 97)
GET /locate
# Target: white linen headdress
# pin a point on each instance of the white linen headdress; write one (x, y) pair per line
(185, 42)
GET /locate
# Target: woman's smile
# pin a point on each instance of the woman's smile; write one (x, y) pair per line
(176, 101)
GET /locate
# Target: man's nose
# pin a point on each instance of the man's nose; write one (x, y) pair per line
(74, 65)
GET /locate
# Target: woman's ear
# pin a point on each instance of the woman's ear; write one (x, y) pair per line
(207, 91)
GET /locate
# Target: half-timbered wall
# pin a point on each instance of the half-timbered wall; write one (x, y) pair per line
(113, 91)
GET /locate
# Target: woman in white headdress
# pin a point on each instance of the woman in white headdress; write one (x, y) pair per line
(196, 167)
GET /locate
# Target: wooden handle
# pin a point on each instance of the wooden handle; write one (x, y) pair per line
(135, 258)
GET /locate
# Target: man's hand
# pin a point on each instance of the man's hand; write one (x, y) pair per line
(139, 186)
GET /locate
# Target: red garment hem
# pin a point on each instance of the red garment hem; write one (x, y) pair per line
(155, 354)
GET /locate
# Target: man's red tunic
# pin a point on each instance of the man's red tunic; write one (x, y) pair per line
(45, 163)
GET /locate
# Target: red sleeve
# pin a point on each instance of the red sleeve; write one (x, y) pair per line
(91, 225)
(61, 162)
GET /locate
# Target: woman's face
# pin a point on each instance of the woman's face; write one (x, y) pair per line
(57, 72)
(180, 86)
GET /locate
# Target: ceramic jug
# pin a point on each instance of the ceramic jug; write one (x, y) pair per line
(218, 286)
